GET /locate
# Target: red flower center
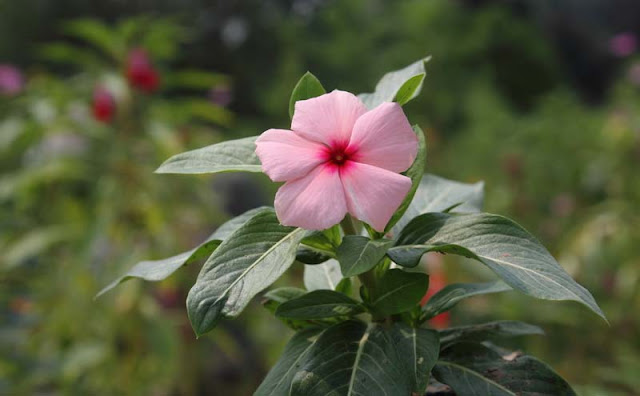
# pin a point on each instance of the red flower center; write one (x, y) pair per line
(338, 154)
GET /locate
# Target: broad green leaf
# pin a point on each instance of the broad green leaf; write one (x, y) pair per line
(230, 156)
(419, 349)
(450, 295)
(437, 194)
(488, 331)
(307, 87)
(499, 243)
(398, 291)
(415, 173)
(474, 369)
(272, 300)
(358, 254)
(322, 276)
(248, 261)
(353, 358)
(325, 241)
(278, 380)
(157, 270)
(400, 85)
(319, 304)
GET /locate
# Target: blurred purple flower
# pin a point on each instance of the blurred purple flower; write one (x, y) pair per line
(11, 81)
(623, 44)
(221, 95)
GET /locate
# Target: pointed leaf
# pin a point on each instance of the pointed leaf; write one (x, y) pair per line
(474, 369)
(229, 156)
(278, 380)
(251, 259)
(322, 276)
(488, 331)
(499, 243)
(319, 304)
(358, 254)
(419, 348)
(450, 295)
(415, 173)
(274, 298)
(398, 291)
(400, 85)
(351, 359)
(307, 87)
(437, 194)
(157, 270)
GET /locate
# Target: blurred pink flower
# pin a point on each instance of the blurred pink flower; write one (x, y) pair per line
(339, 158)
(104, 105)
(11, 80)
(140, 72)
(623, 44)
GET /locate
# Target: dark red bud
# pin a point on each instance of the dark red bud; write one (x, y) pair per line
(104, 105)
(140, 72)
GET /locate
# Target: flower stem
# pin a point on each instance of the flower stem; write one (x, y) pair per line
(347, 226)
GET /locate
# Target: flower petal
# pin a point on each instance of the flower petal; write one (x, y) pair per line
(313, 202)
(383, 137)
(286, 155)
(373, 194)
(328, 118)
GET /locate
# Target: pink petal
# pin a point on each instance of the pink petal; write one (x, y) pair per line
(384, 138)
(328, 118)
(313, 202)
(286, 155)
(373, 194)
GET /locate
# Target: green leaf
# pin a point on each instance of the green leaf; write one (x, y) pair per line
(415, 173)
(398, 291)
(97, 34)
(436, 194)
(358, 254)
(474, 369)
(230, 156)
(322, 276)
(307, 87)
(351, 359)
(248, 261)
(400, 85)
(419, 349)
(157, 270)
(195, 79)
(272, 300)
(488, 331)
(319, 304)
(278, 380)
(450, 295)
(499, 243)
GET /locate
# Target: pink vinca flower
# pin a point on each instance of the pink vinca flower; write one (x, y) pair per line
(339, 158)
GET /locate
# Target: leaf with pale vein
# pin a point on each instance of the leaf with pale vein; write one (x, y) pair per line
(229, 156)
(353, 359)
(499, 243)
(251, 259)
(437, 194)
(358, 254)
(401, 85)
(278, 380)
(157, 270)
(419, 349)
(452, 294)
(319, 304)
(488, 331)
(398, 291)
(474, 369)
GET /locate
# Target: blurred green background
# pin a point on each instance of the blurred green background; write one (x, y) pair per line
(539, 98)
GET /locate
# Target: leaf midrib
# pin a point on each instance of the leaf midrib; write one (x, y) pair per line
(476, 374)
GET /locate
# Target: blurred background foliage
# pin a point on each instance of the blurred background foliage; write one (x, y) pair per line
(539, 98)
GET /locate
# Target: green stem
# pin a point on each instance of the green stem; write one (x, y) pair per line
(347, 226)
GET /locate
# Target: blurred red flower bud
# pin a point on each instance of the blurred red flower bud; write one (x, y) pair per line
(140, 72)
(104, 105)
(437, 281)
